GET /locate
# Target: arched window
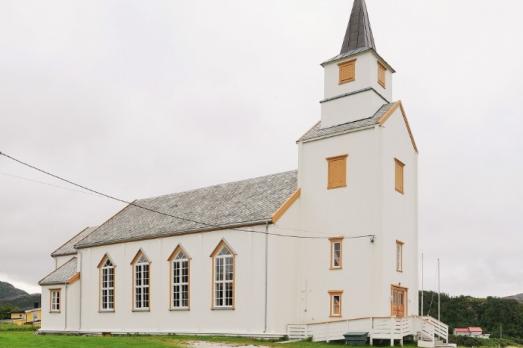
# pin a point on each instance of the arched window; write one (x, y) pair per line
(223, 277)
(180, 279)
(141, 282)
(106, 267)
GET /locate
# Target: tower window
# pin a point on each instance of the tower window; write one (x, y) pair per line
(336, 253)
(399, 256)
(335, 303)
(381, 74)
(399, 168)
(337, 172)
(347, 71)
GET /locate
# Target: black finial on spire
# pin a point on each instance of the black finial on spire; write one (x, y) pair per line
(359, 34)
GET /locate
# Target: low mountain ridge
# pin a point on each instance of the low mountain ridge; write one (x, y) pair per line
(518, 297)
(11, 296)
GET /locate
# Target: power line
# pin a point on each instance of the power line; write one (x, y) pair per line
(43, 183)
(114, 198)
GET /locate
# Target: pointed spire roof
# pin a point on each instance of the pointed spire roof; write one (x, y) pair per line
(359, 33)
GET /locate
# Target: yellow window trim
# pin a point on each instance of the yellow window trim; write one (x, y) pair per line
(333, 241)
(347, 71)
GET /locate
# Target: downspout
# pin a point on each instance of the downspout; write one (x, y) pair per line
(65, 308)
(80, 299)
(266, 275)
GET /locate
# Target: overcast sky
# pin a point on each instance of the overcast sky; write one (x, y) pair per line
(142, 98)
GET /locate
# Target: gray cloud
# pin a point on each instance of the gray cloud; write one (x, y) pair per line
(143, 98)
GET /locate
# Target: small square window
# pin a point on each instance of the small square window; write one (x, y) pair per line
(381, 74)
(399, 168)
(335, 303)
(347, 71)
(337, 172)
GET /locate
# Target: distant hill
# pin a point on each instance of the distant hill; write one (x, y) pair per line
(11, 296)
(518, 298)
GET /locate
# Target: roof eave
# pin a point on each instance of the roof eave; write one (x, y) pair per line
(353, 130)
(178, 233)
(51, 283)
(355, 53)
(64, 254)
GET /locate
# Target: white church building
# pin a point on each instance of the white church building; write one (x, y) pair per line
(318, 252)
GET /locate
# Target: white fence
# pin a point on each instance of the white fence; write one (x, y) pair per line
(386, 328)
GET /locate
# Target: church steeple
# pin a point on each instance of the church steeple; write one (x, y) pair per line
(358, 81)
(359, 33)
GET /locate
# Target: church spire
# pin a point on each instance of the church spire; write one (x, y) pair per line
(359, 34)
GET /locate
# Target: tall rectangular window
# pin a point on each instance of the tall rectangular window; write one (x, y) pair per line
(180, 280)
(337, 172)
(336, 261)
(399, 256)
(107, 288)
(347, 71)
(142, 280)
(223, 282)
(55, 300)
(399, 168)
(381, 74)
(335, 303)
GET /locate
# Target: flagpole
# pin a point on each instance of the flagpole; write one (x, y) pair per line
(439, 292)
(422, 286)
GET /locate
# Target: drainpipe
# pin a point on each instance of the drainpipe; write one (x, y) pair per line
(65, 307)
(266, 275)
(80, 306)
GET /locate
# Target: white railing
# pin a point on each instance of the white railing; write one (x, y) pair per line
(377, 327)
(298, 332)
(440, 329)
(389, 328)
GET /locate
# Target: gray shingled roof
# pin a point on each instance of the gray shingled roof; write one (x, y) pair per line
(61, 275)
(241, 203)
(317, 132)
(68, 247)
(359, 33)
(358, 37)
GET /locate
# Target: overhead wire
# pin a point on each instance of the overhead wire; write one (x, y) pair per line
(134, 204)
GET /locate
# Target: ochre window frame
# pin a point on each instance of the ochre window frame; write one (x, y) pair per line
(223, 244)
(382, 75)
(399, 176)
(179, 249)
(51, 292)
(399, 255)
(347, 71)
(334, 178)
(134, 263)
(101, 266)
(332, 294)
(333, 241)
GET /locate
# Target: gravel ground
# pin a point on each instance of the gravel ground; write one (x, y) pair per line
(219, 345)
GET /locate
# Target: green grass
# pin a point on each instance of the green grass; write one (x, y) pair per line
(13, 327)
(28, 339)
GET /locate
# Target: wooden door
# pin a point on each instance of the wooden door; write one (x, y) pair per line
(399, 301)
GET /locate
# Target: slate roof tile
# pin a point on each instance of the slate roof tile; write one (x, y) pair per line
(246, 202)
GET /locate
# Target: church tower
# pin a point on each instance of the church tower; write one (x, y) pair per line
(357, 81)
(358, 179)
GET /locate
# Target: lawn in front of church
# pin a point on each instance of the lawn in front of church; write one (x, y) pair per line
(28, 339)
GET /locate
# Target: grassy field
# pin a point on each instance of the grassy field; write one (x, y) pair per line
(28, 339)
